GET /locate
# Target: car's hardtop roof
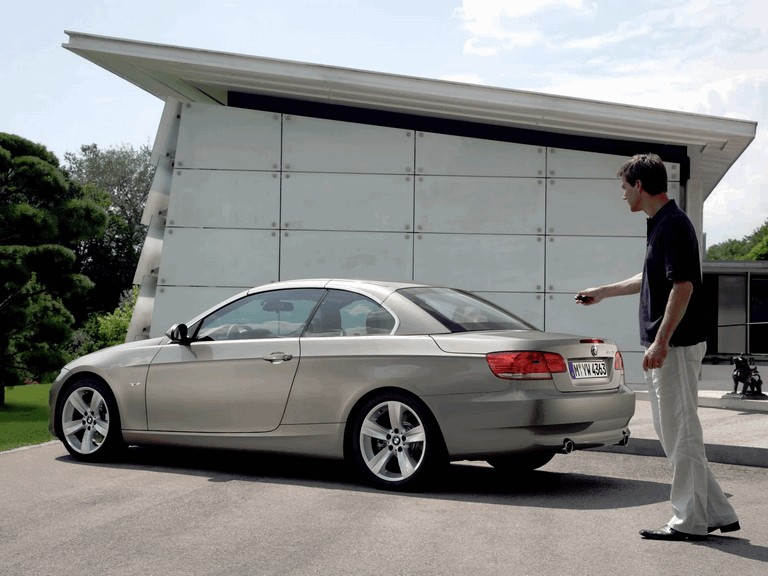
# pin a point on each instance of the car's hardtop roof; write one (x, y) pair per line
(379, 287)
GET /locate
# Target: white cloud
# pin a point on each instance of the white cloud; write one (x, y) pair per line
(498, 25)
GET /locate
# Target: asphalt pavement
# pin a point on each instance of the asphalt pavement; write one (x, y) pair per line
(735, 429)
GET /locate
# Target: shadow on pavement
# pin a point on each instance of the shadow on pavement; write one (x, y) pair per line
(462, 481)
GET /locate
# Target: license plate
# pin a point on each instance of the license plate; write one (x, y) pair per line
(592, 369)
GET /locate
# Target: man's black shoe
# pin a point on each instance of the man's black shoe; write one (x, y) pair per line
(667, 533)
(732, 527)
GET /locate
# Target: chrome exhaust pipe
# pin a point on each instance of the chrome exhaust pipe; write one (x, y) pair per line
(624, 438)
(568, 446)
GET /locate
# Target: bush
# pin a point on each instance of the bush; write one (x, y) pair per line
(104, 330)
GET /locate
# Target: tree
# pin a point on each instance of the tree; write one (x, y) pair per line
(125, 175)
(752, 247)
(44, 217)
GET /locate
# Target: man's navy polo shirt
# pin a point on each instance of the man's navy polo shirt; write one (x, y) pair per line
(672, 255)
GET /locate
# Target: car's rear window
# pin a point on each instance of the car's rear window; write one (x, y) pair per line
(461, 311)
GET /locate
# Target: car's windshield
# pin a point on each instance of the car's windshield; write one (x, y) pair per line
(461, 311)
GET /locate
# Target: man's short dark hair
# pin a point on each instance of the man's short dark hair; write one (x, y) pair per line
(649, 169)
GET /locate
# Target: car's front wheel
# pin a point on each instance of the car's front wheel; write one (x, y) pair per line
(395, 443)
(88, 423)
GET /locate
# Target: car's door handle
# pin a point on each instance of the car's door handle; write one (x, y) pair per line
(277, 357)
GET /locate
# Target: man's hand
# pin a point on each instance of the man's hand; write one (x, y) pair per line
(655, 356)
(588, 296)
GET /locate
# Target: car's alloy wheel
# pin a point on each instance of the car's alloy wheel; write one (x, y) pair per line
(395, 444)
(88, 422)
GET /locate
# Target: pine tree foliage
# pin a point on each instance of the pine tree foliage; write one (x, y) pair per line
(44, 218)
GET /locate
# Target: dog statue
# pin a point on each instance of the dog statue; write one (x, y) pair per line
(748, 375)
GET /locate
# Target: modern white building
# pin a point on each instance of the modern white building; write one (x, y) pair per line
(271, 170)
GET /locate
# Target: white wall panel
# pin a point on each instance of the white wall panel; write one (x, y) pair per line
(479, 205)
(218, 257)
(633, 368)
(317, 145)
(673, 191)
(525, 305)
(590, 208)
(578, 262)
(176, 304)
(370, 202)
(368, 255)
(228, 138)
(614, 318)
(224, 199)
(562, 163)
(480, 262)
(463, 156)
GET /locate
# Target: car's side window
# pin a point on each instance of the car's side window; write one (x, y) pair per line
(344, 313)
(278, 314)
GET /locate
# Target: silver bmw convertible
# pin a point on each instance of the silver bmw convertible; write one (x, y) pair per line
(395, 378)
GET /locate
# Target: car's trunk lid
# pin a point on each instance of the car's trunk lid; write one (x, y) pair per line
(591, 362)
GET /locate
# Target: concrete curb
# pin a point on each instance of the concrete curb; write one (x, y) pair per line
(645, 443)
(712, 399)
(738, 455)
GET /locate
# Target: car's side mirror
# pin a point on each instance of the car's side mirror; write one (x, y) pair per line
(178, 333)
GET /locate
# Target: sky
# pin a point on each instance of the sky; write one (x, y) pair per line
(701, 56)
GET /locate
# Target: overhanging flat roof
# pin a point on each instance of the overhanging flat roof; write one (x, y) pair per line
(194, 75)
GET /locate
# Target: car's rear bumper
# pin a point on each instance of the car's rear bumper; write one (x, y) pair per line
(525, 421)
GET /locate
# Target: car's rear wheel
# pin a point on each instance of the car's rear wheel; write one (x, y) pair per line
(395, 443)
(88, 423)
(520, 462)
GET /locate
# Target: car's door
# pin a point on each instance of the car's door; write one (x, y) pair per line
(236, 374)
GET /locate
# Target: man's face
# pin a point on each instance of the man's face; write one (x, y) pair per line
(631, 194)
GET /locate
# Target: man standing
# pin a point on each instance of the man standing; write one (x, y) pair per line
(672, 331)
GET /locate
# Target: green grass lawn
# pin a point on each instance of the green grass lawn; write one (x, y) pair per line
(24, 418)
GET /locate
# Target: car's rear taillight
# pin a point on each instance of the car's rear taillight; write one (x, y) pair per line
(526, 365)
(618, 361)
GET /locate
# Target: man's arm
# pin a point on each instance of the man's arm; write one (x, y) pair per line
(677, 304)
(623, 288)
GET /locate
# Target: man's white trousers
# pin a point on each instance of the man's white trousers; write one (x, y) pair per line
(696, 497)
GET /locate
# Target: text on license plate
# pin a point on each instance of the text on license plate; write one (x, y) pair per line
(594, 369)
